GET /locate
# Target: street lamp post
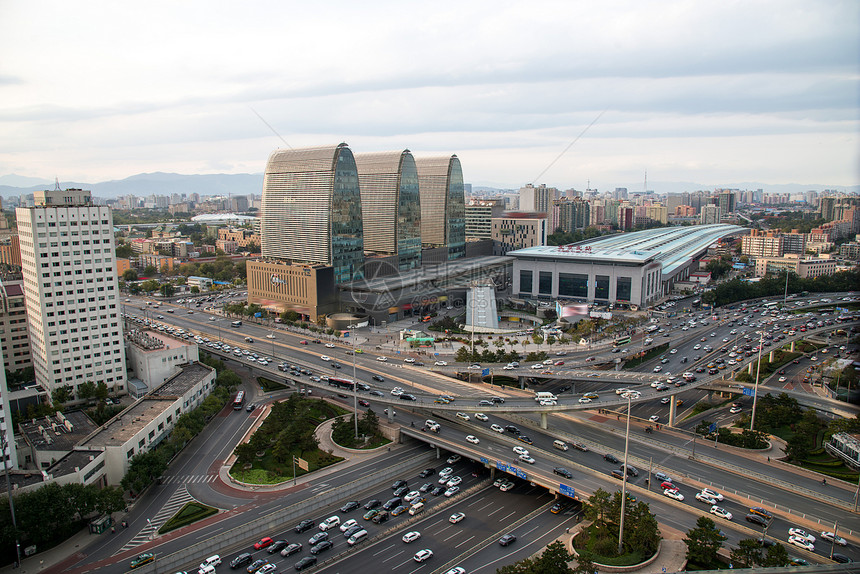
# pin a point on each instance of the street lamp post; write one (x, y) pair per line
(354, 382)
(3, 446)
(624, 479)
(757, 372)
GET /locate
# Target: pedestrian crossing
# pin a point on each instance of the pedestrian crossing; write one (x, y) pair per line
(176, 501)
(189, 479)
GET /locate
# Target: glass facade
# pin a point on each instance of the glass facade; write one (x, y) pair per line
(545, 283)
(526, 286)
(601, 287)
(443, 211)
(623, 289)
(573, 285)
(409, 215)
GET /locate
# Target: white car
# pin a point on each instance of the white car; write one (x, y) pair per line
(782, 379)
(348, 524)
(453, 481)
(329, 345)
(462, 416)
(735, 410)
(673, 351)
(520, 450)
(658, 368)
(396, 392)
(329, 522)
(446, 472)
(382, 359)
(408, 360)
(472, 439)
(325, 358)
(456, 517)
(423, 555)
(526, 458)
(713, 494)
(497, 428)
(508, 368)
(702, 497)
(441, 363)
(482, 417)
(537, 366)
(411, 496)
(453, 458)
(622, 391)
(631, 395)
(411, 536)
(802, 534)
(830, 537)
(452, 491)
(673, 494)
(584, 400)
(721, 512)
(801, 543)
(654, 418)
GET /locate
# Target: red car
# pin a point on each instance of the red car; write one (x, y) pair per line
(668, 486)
(263, 543)
(363, 403)
(303, 342)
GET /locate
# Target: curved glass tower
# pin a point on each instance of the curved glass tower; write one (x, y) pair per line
(311, 209)
(390, 205)
(443, 210)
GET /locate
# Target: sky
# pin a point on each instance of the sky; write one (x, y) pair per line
(686, 90)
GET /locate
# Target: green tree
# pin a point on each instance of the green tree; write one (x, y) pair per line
(553, 560)
(101, 392)
(703, 542)
(585, 563)
(747, 554)
(149, 270)
(776, 556)
(124, 250)
(130, 274)
(598, 506)
(86, 390)
(61, 395)
(195, 289)
(244, 453)
(168, 290)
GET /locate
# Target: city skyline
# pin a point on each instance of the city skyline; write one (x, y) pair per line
(687, 91)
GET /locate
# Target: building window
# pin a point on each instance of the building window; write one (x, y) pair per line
(573, 285)
(545, 283)
(526, 281)
(601, 287)
(623, 288)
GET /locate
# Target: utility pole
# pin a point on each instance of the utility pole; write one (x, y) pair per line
(4, 445)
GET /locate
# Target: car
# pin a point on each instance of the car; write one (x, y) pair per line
(306, 524)
(398, 510)
(801, 534)
(507, 486)
(375, 393)
(497, 428)
(451, 491)
(761, 512)
(462, 416)
(241, 560)
(411, 496)
(579, 446)
(423, 555)
(584, 400)
(475, 366)
(427, 472)
(142, 559)
(831, 537)
(321, 547)
(267, 568)
(399, 492)
(610, 458)
(391, 503)
(486, 403)
(782, 379)
(256, 565)
(668, 486)
(713, 494)
(702, 497)
(482, 417)
(525, 439)
(526, 458)
(721, 512)
(841, 558)
(291, 549)
(562, 472)
(380, 518)
(317, 538)
(250, 408)
(371, 513)
(657, 369)
(512, 429)
(756, 519)
(663, 477)
(263, 543)
(325, 358)
(305, 562)
(348, 524)
(556, 508)
(453, 481)
(329, 522)
(654, 418)
(673, 493)
(382, 359)
(372, 503)
(378, 378)
(441, 363)
(410, 537)
(363, 403)
(507, 540)
(398, 484)
(350, 506)
(520, 450)
(801, 543)
(445, 473)
(456, 517)
(735, 410)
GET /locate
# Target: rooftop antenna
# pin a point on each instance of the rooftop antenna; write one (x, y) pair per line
(57, 184)
(646, 182)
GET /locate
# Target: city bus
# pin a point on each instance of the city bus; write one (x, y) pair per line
(622, 341)
(696, 303)
(347, 384)
(239, 401)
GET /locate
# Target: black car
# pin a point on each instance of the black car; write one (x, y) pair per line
(241, 560)
(631, 470)
(426, 487)
(512, 429)
(617, 474)
(507, 539)
(375, 393)
(321, 547)
(379, 378)
(756, 519)
(304, 525)
(305, 562)
(336, 365)
(350, 506)
(389, 504)
(352, 530)
(562, 472)
(407, 397)
(841, 558)
(766, 542)
(372, 503)
(401, 491)
(317, 538)
(499, 400)
(277, 546)
(397, 484)
(610, 458)
(427, 472)
(291, 549)
(380, 518)
(437, 491)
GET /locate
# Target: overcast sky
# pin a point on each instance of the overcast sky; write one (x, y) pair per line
(704, 91)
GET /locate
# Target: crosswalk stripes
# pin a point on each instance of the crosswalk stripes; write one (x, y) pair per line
(176, 501)
(189, 479)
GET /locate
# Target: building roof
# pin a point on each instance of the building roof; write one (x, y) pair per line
(72, 462)
(59, 432)
(671, 246)
(180, 383)
(123, 427)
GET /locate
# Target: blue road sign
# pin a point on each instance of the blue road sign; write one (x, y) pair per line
(345, 334)
(501, 466)
(483, 460)
(748, 391)
(567, 490)
(521, 474)
(713, 427)
(485, 372)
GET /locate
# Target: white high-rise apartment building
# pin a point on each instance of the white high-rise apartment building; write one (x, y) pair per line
(71, 290)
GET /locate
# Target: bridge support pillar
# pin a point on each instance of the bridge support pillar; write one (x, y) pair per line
(672, 411)
(792, 346)
(750, 368)
(543, 420)
(771, 356)
(522, 381)
(438, 452)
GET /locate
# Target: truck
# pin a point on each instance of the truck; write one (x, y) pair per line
(544, 396)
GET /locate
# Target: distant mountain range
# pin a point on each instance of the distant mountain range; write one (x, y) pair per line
(159, 183)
